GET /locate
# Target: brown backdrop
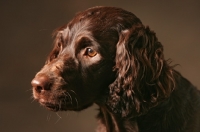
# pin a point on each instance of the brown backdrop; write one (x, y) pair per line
(25, 32)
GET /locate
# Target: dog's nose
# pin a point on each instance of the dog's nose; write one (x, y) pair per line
(40, 83)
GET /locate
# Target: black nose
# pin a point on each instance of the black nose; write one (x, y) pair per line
(40, 83)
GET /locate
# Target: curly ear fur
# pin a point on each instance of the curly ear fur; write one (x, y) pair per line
(144, 78)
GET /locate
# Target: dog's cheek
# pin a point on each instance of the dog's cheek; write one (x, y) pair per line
(99, 77)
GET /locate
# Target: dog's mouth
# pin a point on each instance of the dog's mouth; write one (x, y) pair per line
(54, 106)
(50, 106)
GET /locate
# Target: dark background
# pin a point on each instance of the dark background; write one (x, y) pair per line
(25, 39)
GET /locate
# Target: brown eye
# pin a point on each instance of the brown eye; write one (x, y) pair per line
(90, 52)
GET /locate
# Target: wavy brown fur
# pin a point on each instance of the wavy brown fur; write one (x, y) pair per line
(144, 77)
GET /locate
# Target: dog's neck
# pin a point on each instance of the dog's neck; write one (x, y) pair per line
(109, 122)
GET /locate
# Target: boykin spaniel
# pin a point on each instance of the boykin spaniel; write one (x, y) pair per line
(106, 56)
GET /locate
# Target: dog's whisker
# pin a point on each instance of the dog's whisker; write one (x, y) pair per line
(67, 114)
(29, 90)
(32, 100)
(73, 92)
(60, 105)
(48, 117)
(76, 102)
(59, 118)
(70, 97)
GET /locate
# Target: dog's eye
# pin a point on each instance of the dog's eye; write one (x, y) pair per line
(90, 52)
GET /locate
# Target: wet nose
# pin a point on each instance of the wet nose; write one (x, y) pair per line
(40, 83)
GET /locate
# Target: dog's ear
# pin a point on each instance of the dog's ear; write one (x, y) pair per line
(144, 78)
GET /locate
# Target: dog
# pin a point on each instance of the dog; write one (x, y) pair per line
(106, 56)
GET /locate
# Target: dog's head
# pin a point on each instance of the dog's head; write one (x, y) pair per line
(104, 55)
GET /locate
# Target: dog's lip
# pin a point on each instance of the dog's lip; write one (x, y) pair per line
(53, 106)
(50, 106)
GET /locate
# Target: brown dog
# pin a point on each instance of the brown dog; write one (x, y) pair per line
(105, 55)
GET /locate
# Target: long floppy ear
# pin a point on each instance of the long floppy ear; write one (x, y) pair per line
(144, 78)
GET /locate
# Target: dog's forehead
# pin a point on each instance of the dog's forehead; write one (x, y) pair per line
(77, 30)
(98, 19)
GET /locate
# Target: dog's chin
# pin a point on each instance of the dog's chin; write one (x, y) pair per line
(51, 107)
(56, 106)
(63, 107)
